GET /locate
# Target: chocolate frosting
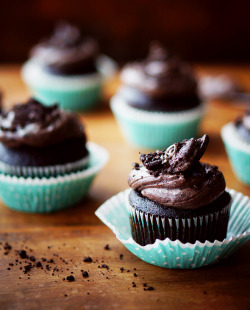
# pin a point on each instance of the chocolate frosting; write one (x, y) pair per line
(67, 51)
(243, 125)
(175, 178)
(32, 124)
(158, 81)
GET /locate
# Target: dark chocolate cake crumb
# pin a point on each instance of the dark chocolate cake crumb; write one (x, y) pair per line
(122, 269)
(38, 264)
(27, 268)
(44, 259)
(85, 274)
(7, 246)
(133, 284)
(22, 254)
(105, 266)
(107, 247)
(70, 278)
(87, 259)
(32, 258)
(121, 256)
(144, 284)
(135, 275)
(65, 295)
(11, 264)
(150, 288)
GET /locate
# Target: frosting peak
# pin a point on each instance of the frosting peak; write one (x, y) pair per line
(33, 124)
(67, 51)
(161, 82)
(174, 177)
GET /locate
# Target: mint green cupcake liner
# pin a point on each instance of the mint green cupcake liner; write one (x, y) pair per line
(43, 195)
(238, 151)
(74, 93)
(175, 254)
(155, 130)
(47, 171)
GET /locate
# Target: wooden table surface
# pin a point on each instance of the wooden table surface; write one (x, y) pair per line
(72, 234)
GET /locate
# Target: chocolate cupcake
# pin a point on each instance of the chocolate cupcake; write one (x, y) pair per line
(45, 162)
(158, 102)
(67, 68)
(36, 140)
(176, 196)
(236, 137)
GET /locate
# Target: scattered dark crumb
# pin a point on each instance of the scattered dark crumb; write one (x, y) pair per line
(144, 284)
(121, 256)
(38, 264)
(85, 274)
(135, 275)
(32, 258)
(133, 284)
(87, 259)
(70, 278)
(134, 268)
(205, 292)
(11, 264)
(63, 279)
(66, 295)
(22, 254)
(128, 270)
(107, 247)
(105, 266)
(8, 268)
(122, 269)
(88, 293)
(7, 246)
(44, 259)
(27, 268)
(150, 288)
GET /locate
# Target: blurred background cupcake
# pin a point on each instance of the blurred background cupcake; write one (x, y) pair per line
(236, 138)
(45, 162)
(68, 68)
(158, 102)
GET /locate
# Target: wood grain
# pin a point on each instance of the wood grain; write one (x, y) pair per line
(225, 284)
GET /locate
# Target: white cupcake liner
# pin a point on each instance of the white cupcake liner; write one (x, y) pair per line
(147, 227)
(46, 171)
(118, 105)
(175, 254)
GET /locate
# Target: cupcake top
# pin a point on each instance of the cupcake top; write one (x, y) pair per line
(243, 125)
(35, 125)
(176, 178)
(67, 51)
(162, 82)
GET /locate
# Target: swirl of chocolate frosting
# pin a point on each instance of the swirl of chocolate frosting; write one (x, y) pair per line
(33, 124)
(243, 125)
(175, 178)
(163, 78)
(67, 51)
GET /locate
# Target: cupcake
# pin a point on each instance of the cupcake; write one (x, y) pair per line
(45, 163)
(174, 195)
(236, 138)
(158, 102)
(67, 68)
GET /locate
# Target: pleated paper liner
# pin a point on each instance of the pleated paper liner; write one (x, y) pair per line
(238, 151)
(155, 130)
(47, 194)
(74, 93)
(175, 254)
(147, 228)
(47, 171)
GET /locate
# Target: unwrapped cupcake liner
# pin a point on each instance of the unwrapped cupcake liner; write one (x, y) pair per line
(155, 130)
(147, 228)
(43, 195)
(47, 171)
(74, 93)
(175, 254)
(238, 151)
